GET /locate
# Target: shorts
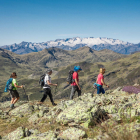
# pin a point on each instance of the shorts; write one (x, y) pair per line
(14, 93)
(100, 89)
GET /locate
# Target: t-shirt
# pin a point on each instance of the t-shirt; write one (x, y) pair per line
(75, 76)
(14, 81)
(100, 76)
(47, 78)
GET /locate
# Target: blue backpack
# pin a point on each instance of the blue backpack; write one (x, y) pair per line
(8, 85)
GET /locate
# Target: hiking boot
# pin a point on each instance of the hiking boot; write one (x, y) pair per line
(39, 103)
(12, 106)
(54, 104)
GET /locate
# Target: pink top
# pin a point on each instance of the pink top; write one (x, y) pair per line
(100, 76)
(75, 76)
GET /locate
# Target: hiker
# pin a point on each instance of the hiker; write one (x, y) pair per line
(14, 94)
(75, 84)
(100, 81)
(47, 88)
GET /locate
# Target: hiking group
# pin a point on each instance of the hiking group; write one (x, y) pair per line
(45, 83)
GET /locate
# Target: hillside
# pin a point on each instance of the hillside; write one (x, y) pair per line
(123, 71)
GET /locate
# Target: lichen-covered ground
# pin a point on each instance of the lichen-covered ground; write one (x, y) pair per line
(112, 116)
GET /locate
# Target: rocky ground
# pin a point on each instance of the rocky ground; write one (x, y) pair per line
(114, 115)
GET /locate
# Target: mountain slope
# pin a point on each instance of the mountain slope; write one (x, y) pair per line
(124, 71)
(30, 66)
(55, 57)
(121, 71)
(75, 43)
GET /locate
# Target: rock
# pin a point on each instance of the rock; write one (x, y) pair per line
(47, 135)
(1, 112)
(49, 117)
(72, 124)
(5, 104)
(19, 133)
(136, 84)
(33, 138)
(110, 109)
(102, 137)
(117, 90)
(27, 132)
(86, 124)
(20, 115)
(13, 120)
(33, 118)
(115, 117)
(34, 131)
(58, 111)
(36, 107)
(41, 113)
(72, 134)
(50, 135)
(77, 113)
(23, 109)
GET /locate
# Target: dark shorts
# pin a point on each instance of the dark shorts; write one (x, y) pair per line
(100, 90)
(14, 94)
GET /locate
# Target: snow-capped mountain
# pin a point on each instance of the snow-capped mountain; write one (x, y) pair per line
(75, 43)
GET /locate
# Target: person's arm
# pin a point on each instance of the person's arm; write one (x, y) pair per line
(18, 86)
(77, 84)
(97, 80)
(51, 83)
(102, 80)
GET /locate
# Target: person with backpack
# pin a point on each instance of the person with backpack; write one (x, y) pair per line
(75, 83)
(13, 92)
(47, 88)
(100, 82)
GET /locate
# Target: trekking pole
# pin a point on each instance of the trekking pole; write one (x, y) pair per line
(56, 88)
(26, 94)
(66, 86)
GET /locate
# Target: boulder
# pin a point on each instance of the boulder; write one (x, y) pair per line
(50, 135)
(23, 109)
(72, 134)
(78, 113)
(19, 133)
(33, 118)
(117, 90)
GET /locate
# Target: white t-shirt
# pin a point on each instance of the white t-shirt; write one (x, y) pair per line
(47, 78)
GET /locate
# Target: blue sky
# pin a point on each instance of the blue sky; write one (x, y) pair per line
(44, 20)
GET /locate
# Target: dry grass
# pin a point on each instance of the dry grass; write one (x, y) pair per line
(6, 127)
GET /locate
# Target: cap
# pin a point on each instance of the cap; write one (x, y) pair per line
(49, 70)
(76, 68)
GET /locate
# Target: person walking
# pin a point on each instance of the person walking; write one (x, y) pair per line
(14, 93)
(75, 84)
(100, 82)
(47, 88)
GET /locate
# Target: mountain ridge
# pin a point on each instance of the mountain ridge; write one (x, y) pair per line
(75, 43)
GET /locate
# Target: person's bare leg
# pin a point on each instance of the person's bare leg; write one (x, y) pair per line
(16, 100)
(12, 100)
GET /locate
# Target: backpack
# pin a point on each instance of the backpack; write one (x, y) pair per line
(9, 85)
(70, 79)
(41, 81)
